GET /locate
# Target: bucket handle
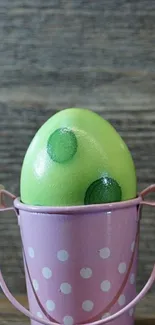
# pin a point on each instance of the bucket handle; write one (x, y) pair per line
(27, 313)
(148, 190)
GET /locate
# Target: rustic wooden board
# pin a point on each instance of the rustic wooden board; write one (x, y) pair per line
(57, 54)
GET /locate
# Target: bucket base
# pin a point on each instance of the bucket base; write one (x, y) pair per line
(127, 319)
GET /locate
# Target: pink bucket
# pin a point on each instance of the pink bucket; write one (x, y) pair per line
(80, 262)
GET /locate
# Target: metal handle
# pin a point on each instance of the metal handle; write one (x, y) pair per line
(3, 193)
(148, 190)
(23, 310)
(27, 313)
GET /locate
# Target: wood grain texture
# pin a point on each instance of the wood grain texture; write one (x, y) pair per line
(94, 54)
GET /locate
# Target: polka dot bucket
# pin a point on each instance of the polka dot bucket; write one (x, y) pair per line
(80, 262)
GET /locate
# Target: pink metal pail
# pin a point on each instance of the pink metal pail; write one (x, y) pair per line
(80, 262)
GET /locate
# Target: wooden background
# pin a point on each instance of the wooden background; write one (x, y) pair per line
(54, 54)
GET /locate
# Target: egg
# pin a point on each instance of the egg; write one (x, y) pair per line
(77, 158)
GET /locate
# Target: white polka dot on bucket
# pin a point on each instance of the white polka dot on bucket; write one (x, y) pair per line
(131, 311)
(66, 288)
(105, 315)
(35, 285)
(104, 252)
(47, 273)
(86, 273)
(68, 320)
(122, 268)
(39, 314)
(50, 305)
(132, 246)
(62, 255)
(87, 305)
(31, 252)
(132, 278)
(121, 300)
(105, 286)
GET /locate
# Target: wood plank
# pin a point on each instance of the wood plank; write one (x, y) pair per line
(38, 41)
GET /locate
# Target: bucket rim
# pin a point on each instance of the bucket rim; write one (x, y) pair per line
(77, 209)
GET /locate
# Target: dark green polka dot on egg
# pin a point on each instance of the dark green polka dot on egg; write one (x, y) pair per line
(62, 145)
(103, 190)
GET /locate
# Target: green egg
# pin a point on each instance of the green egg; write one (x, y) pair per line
(77, 158)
